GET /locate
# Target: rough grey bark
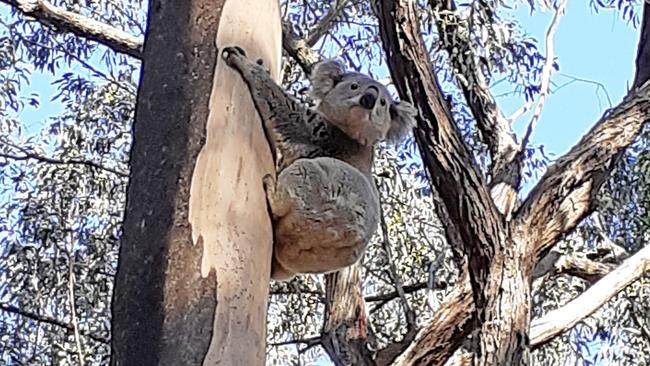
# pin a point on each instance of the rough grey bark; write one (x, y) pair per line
(162, 306)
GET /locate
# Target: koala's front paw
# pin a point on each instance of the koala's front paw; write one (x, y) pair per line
(233, 54)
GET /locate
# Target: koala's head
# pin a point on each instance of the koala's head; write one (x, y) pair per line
(358, 105)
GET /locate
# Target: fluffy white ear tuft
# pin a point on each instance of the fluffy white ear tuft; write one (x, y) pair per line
(402, 120)
(325, 76)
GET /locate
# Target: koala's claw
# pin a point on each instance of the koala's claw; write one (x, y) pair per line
(229, 53)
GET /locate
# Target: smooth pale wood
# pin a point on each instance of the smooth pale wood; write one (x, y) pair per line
(566, 317)
(227, 209)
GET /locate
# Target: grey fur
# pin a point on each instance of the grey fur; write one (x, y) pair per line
(324, 203)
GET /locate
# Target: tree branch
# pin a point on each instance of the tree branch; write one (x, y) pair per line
(547, 69)
(388, 354)
(393, 295)
(495, 129)
(574, 265)
(564, 195)
(67, 21)
(298, 49)
(449, 164)
(315, 34)
(345, 334)
(559, 320)
(49, 320)
(445, 332)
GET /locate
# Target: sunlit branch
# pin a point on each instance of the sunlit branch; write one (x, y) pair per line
(565, 194)
(567, 316)
(67, 21)
(547, 70)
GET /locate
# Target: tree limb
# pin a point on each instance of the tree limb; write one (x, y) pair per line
(495, 129)
(445, 332)
(316, 33)
(547, 69)
(564, 195)
(67, 21)
(345, 333)
(559, 320)
(449, 164)
(574, 265)
(298, 49)
(388, 354)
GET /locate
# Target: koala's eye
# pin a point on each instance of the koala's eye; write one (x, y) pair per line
(354, 86)
(382, 102)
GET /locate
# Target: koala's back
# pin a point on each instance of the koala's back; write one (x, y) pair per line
(327, 211)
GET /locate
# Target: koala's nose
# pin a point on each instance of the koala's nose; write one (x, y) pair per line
(369, 98)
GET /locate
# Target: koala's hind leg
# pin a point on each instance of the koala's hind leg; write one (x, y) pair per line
(329, 212)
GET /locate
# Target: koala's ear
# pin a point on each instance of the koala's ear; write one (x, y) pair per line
(324, 76)
(402, 120)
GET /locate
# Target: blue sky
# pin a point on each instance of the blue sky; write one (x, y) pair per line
(597, 47)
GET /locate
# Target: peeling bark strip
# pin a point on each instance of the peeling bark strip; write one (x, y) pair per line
(67, 21)
(227, 208)
(345, 335)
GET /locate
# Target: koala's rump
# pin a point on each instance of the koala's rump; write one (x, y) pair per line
(333, 213)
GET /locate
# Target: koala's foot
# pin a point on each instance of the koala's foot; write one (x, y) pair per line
(279, 273)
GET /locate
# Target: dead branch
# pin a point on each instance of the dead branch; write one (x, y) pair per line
(44, 159)
(547, 69)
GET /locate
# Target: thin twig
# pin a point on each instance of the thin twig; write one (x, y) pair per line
(547, 69)
(27, 155)
(73, 310)
(49, 320)
(325, 24)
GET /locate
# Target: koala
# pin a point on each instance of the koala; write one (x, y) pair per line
(324, 203)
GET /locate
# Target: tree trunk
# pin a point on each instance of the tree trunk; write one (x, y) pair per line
(180, 301)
